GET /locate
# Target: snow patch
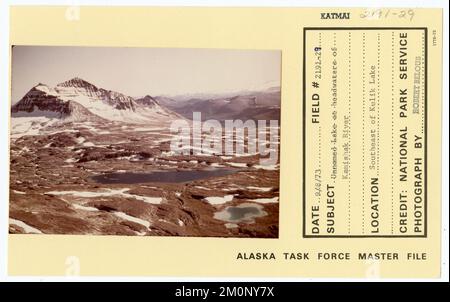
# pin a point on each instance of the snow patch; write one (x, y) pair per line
(231, 225)
(260, 189)
(238, 165)
(80, 140)
(265, 200)
(21, 126)
(133, 219)
(108, 193)
(88, 144)
(266, 167)
(202, 188)
(19, 192)
(27, 228)
(80, 207)
(219, 200)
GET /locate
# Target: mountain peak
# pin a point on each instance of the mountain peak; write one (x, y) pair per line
(147, 100)
(148, 97)
(42, 87)
(76, 82)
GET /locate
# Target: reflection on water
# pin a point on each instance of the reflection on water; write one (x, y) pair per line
(246, 212)
(237, 214)
(160, 176)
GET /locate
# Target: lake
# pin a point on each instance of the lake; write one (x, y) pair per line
(246, 212)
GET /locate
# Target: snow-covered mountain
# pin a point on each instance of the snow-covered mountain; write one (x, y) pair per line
(246, 105)
(79, 100)
(43, 101)
(266, 88)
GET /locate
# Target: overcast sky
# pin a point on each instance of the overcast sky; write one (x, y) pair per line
(141, 71)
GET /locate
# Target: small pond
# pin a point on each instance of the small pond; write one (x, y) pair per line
(246, 212)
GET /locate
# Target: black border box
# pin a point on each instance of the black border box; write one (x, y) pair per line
(425, 233)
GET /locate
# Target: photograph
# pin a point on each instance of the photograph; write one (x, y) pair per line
(145, 141)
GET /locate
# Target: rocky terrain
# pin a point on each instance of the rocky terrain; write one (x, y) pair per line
(86, 160)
